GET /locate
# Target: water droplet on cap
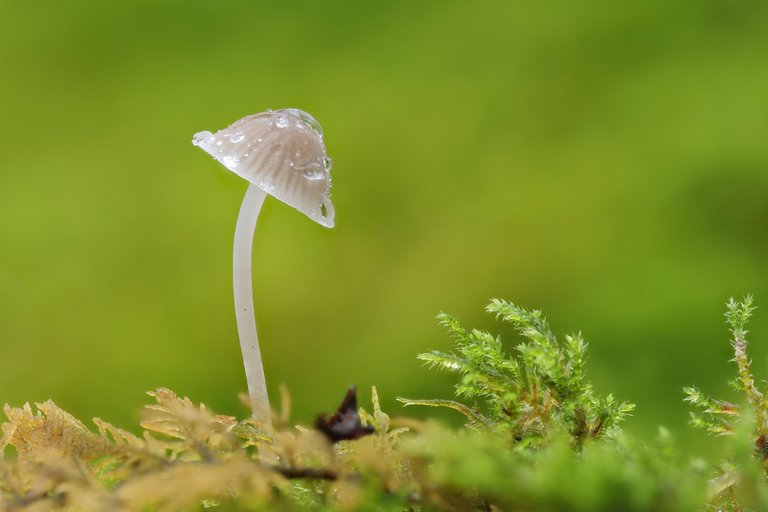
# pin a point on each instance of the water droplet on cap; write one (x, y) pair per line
(230, 161)
(312, 172)
(267, 185)
(202, 138)
(305, 119)
(282, 121)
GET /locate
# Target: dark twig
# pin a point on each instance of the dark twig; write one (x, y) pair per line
(298, 473)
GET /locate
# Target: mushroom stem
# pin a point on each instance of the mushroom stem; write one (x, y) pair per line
(246, 321)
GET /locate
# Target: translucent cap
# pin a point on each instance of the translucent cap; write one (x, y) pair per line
(281, 152)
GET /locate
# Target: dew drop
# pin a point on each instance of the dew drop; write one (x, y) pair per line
(306, 119)
(202, 139)
(230, 161)
(236, 137)
(312, 172)
(267, 185)
(282, 121)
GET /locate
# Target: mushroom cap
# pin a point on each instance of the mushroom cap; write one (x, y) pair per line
(281, 152)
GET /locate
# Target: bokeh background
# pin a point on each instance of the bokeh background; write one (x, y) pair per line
(606, 162)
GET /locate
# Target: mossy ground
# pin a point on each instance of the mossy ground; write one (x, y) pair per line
(538, 438)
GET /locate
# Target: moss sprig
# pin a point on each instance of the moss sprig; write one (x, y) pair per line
(740, 481)
(538, 389)
(719, 416)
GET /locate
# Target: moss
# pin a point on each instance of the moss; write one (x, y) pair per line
(540, 439)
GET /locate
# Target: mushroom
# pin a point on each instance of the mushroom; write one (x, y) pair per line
(280, 153)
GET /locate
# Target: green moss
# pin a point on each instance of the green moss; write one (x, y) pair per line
(540, 388)
(539, 439)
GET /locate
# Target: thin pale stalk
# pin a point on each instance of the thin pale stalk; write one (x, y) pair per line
(246, 322)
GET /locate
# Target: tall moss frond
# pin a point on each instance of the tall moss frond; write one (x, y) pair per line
(718, 416)
(747, 423)
(539, 387)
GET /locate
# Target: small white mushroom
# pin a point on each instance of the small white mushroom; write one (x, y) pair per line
(280, 153)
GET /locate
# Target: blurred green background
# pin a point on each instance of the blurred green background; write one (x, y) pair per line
(604, 161)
